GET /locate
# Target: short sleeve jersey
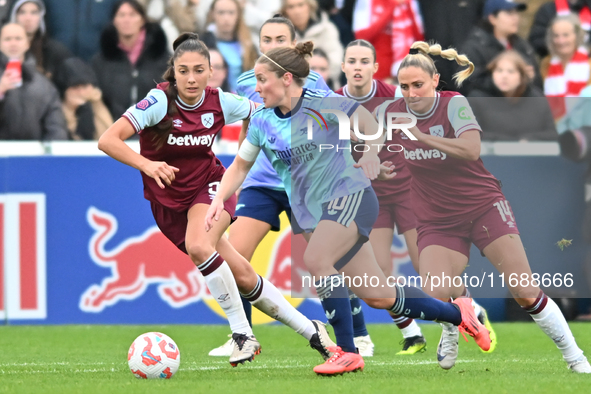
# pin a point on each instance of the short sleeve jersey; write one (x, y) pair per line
(388, 191)
(188, 146)
(445, 189)
(311, 177)
(262, 173)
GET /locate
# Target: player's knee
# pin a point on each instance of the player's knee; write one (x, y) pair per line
(379, 303)
(199, 253)
(246, 277)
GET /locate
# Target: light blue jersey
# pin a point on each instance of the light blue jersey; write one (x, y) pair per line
(262, 173)
(311, 177)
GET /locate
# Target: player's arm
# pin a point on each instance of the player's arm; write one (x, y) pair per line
(112, 142)
(466, 146)
(368, 126)
(231, 181)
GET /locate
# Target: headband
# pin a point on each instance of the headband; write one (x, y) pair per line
(274, 62)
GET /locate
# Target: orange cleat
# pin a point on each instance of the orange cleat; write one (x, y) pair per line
(471, 325)
(341, 362)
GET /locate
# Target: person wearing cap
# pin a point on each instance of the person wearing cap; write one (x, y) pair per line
(86, 115)
(497, 33)
(49, 53)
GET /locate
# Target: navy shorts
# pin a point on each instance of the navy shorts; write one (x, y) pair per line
(362, 208)
(263, 204)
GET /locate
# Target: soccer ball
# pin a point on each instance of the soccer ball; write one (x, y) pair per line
(153, 355)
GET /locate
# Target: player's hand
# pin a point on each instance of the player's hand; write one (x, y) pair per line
(413, 130)
(161, 172)
(386, 171)
(370, 163)
(213, 213)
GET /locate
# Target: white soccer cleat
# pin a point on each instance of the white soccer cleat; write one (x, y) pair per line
(245, 348)
(225, 350)
(447, 351)
(364, 345)
(321, 341)
(581, 365)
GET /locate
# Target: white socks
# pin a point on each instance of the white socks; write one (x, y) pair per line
(412, 330)
(223, 289)
(266, 298)
(552, 322)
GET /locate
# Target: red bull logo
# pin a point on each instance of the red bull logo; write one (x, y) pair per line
(151, 259)
(135, 264)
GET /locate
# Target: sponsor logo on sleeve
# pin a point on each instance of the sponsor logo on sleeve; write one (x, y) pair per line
(146, 103)
(464, 113)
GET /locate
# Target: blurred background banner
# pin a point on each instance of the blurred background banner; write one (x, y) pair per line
(79, 245)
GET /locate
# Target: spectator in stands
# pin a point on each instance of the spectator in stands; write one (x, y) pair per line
(78, 23)
(174, 16)
(547, 12)
(29, 103)
(566, 71)
(133, 55)
(219, 77)
(391, 26)
(49, 53)
(229, 34)
(525, 111)
(447, 22)
(320, 63)
(340, 12)
(5, 8)
(86, 115)
(497, 33)
(315, 26)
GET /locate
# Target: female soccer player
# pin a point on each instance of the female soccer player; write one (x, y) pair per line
(458, 202)
(177, 123)
(359, 66)
(262, 198)
(331, 199)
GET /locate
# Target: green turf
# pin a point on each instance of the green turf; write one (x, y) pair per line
(92, 359)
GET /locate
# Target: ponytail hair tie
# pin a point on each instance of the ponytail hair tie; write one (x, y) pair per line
(413, 51)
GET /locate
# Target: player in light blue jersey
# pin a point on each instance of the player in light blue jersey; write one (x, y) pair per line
(332, 200)
(263, 198)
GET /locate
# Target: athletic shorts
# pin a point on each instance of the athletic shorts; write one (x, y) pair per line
(361, 208)
(399, 214)
(263, 204)
(173, 224)
(499, 220)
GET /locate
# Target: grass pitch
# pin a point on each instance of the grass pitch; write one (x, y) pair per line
(93, 359)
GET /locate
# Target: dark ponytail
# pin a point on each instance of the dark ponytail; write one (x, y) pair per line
(292, 60)
(186, 42)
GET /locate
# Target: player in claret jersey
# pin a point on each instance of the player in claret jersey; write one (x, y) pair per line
(359, 66)
(331, 199)
(177, 123)
(457, 202)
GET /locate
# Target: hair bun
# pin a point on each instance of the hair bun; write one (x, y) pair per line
(184, 37)
(305, 48)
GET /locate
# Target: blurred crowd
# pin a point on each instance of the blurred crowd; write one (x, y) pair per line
(70, 67)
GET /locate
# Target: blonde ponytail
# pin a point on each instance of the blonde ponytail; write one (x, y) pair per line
(427, 64)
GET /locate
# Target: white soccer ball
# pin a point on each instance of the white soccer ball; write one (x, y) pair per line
(153, 355)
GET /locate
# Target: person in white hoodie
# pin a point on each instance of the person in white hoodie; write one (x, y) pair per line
(315, 26)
